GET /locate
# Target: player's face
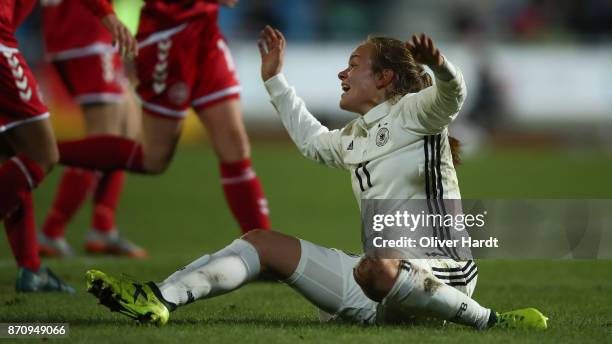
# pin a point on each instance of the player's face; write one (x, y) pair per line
(358, 83)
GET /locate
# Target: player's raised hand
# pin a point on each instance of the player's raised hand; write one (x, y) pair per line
(271, 45)
(122, 36)
(425, 52)
(227, 3)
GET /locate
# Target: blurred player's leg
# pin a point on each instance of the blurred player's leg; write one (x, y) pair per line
(74, 187)
(105, 118)
(21, 232)
(241, 185)
(19, 222)
(96, 82)
(103, 237)
(36, 153)
(109, 152)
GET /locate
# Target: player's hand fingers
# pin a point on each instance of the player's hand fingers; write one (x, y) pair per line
(423, 40)
(135, 47)
(262, 47)
(267, 38)
(119, 42)
(275, 37)
(431, 45)
(281, 39)
(426, 46)
(132, 45)
(262, 36)
(124, 43)
(270, 37)
(415, 41)
(124, 40)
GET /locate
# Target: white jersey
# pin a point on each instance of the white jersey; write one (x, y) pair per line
(395, 151)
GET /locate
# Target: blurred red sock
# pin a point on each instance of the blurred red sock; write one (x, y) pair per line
(106, 200)
(244, 195)
(103, 152)
(18, 175)
(72, 191)
(21, 232)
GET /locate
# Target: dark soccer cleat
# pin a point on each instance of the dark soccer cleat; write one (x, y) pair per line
(42, 281)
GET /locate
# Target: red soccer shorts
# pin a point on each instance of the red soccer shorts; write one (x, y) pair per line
(186, 66)
(20, 100)
(93, 78)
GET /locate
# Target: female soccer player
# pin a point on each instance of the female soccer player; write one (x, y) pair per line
(183, 63)
(385, 84)
(92, 72)
(27, 143)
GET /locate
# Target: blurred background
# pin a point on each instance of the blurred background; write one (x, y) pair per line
(539, 72)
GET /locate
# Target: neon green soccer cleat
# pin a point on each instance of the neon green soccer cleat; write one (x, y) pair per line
(128, 297)
(526, 318)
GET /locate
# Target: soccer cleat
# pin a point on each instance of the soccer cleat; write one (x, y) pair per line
(42, 281)
(526, 318)
(111, 243)
(128, 297)
(54, 247)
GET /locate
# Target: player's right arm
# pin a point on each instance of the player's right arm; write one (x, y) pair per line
(314, 140)
(126, 43)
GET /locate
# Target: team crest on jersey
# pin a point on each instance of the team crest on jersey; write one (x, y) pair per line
(178, 93)
(382, 137)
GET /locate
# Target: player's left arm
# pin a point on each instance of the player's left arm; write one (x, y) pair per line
(122, 37)
(436, 107)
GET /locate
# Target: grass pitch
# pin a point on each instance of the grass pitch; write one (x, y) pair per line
(182, 214)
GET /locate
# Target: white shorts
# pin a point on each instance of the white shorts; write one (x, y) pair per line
(324, 276)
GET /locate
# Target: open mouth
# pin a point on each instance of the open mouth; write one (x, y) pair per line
(345, 88)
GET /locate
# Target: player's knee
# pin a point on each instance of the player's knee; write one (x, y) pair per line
(256, 236)
(48, 158)
(376, 276)
(263, 241)
(156, 168)
(158, 163)
(233, 149)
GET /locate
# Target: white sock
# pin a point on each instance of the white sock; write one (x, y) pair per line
(212, 275)
(421, 293)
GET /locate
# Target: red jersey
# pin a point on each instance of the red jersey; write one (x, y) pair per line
(70, 24)
(12, 13)
(157, 15)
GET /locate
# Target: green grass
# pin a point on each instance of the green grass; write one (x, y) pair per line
(182, 214)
